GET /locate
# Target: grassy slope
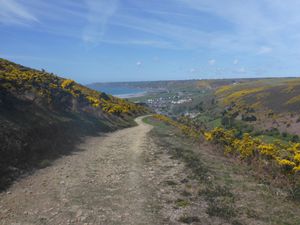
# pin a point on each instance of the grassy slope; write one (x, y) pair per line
(276, 94)
(234, 193)
(274, 102)
(43, 116)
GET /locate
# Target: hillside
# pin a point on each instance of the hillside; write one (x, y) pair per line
(254, 120)
(43, 116)
(267, 103)
(276, 94)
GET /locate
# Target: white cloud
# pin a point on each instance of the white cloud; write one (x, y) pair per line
(235, 62)
(180, 37)
(274, 23)
(212, 62)
(139, 63)
(99, 12)
(12, 12)
(241, 26)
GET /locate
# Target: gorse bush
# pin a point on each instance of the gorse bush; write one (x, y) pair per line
(187, 130)
(287, 156)
(21, 80)
(67, 83)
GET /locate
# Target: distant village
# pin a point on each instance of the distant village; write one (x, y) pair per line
(164, 104)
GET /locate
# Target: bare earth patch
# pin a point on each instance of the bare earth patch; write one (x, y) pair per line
(142, 175)
(119, 178)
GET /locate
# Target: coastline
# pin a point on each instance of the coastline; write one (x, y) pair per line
(131, 95)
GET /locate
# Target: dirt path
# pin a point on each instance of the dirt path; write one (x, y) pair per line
(115, 179)
(137, 177)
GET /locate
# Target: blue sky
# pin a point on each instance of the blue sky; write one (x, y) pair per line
(132, 40)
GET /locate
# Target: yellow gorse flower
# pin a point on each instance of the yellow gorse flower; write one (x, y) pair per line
(286, 162)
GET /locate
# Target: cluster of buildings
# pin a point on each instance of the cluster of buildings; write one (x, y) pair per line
(163, 104)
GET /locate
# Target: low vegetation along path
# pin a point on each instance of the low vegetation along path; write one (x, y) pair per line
(109, 180)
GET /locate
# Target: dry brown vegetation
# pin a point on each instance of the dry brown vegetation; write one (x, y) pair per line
(267, 103)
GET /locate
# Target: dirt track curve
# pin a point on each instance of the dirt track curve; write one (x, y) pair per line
(111, 179)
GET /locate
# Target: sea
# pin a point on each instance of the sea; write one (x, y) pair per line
(122, 92)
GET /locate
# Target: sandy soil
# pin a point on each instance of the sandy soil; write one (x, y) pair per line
(113, 179)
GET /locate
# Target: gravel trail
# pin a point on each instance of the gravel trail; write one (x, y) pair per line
(114, 178)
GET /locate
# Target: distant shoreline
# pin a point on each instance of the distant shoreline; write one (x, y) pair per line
(131, 95)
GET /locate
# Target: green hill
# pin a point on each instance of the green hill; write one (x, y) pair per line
(43, 116)
(278, 95)
(266, 103)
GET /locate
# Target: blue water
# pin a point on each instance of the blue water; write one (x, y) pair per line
(120, 91)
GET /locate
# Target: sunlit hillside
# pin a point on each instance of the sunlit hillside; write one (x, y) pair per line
(266, 102)
(41, 112)
(54, 91)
